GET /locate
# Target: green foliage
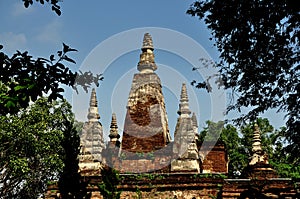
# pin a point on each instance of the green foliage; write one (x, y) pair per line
(211, 132)
(31, 151)
(210, 175)
(78, 125)
(110, 181)
(138, 193)
(238, 159)
(24, 79)
(54, 4)
(259, 57)
(280, 158)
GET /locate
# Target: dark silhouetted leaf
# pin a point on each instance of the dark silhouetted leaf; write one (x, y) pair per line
(65, 48)
(52, 58)
(69, 59)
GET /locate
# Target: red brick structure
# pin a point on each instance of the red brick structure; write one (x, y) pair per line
(216, 161)
(151, 165)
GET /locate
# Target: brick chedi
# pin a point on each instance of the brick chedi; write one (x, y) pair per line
(114, 135)
(258, 154)
(185, 152)
(151, 165)
(91, 141)
(259, 166)
(146, 124)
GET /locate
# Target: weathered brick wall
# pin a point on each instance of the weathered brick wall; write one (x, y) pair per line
(143, 130)
(166, 186)
(146, 126)
(190, 186)
(158, 161)
(259, 188)
(216, 160)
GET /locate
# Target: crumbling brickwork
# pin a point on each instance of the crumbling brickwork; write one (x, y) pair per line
(214, 158)
(146, 126)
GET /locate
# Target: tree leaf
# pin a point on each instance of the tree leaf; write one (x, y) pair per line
(52, 58)
(69, 59)
(19, 87)
(65, 48)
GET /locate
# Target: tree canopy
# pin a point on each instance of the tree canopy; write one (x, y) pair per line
(32, 150)
(39, 141)
(259, 56)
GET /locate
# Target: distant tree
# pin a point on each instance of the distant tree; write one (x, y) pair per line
(280, 158)
(78, 125)
(211, 132)
(259, 57)
(31, 152)
(238, 159)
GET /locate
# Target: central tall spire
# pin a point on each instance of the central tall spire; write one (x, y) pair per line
(147, 63)
(146, 124)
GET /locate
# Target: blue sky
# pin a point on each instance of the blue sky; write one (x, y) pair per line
(100, 29)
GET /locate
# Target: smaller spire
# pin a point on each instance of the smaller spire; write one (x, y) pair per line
(258, 155)
(93, 114)
(93, 100)
(113, 133)
(256, 145)
(184, 110)
(194, 119)
(183, 95)
(147, 63)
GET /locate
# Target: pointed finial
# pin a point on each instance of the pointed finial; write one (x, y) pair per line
(256, 145)
(147, 42)
(194, 119)
(113, 133)
(147, 63)
(93, 114)
(183, 95)
(93, 100)
(258, 154)
(184, 110)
